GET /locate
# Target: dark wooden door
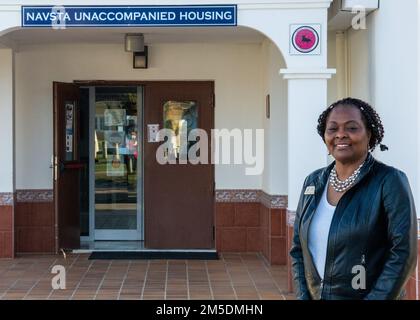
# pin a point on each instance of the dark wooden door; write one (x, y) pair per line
(66, 165)
(178, 198)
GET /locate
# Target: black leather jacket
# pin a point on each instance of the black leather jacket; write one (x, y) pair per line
(374, 228)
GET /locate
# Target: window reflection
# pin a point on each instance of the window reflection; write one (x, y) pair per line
(116, 153)
(181, 117)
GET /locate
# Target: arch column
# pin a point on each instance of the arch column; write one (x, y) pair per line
(307, 98)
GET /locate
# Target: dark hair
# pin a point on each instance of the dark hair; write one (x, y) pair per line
(370, 118)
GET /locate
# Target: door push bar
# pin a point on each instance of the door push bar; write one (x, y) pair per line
(78, 165)
(63, 166)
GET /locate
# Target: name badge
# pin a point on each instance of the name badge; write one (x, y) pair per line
(310, 190)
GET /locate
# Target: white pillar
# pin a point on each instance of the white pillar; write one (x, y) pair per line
(307, 98)
(6, 121)
(341, 64)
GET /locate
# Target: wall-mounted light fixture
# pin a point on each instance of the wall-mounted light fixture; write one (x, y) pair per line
(140, 59)
(134, 42)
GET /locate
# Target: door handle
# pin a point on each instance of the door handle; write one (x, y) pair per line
(53, 167)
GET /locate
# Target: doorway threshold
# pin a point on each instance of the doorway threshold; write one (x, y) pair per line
(128, 246)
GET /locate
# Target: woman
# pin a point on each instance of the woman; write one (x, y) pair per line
(355, 233)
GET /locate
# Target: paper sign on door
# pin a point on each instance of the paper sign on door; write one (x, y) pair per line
(152, 133)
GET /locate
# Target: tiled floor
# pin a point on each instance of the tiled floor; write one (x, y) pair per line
(234, 276)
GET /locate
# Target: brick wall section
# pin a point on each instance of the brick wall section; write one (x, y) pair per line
(273, 234)
(243, 224)
(411, 289)
(34, 221)
(289, 261)
(413, 285)
(238, 227)
(251, 227)
(6, 231)
(265, 232)
(34, 227)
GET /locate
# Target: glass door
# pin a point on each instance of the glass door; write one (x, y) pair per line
(117, 164)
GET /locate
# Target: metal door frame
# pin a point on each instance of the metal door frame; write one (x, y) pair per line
(111, 234)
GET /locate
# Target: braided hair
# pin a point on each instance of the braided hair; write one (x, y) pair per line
(370, 118)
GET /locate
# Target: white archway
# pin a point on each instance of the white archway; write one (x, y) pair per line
(306, 76)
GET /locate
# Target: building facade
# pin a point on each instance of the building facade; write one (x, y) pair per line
(78, 119)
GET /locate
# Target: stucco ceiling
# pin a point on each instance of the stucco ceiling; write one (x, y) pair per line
(116, 35)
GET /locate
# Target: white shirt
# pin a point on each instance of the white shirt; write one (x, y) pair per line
(318, 232)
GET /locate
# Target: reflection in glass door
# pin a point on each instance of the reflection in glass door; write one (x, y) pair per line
(117, 164)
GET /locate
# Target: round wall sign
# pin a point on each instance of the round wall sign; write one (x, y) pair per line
(305, 39)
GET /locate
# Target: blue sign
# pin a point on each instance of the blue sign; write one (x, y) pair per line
(128, 16)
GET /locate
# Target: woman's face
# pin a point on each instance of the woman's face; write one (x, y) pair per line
(346, 136)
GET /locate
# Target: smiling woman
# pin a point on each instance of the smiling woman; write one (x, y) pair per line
(355, 236)
(346, 136)
(368, 115)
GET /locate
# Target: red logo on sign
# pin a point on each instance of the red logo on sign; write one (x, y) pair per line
(305, 39)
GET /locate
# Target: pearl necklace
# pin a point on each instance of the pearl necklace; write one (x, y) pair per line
(341, 186)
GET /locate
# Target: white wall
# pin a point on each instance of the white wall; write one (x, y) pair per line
(361, 62)
(235, 68)
(393, 57)
(383, 70)
(275, 167)
(332, 63)
(271, 17)
(6, 121)
(351, 54)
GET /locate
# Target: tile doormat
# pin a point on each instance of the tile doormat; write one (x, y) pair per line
(133, 255)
